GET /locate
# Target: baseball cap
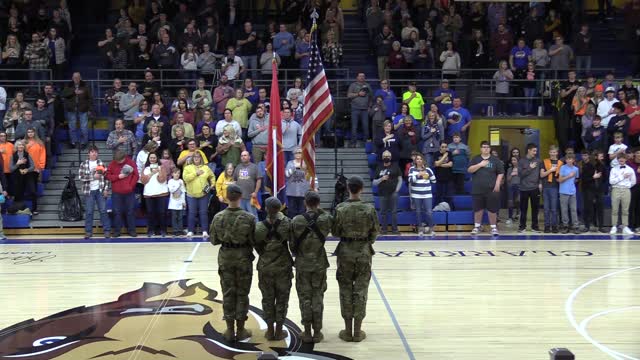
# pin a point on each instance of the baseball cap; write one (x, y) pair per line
(610, 89)
(234, 189)
(599, 87)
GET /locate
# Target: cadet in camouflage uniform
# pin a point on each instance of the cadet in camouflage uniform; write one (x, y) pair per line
(307, 243)
(356, 224)
(274, 267)
(234, 229)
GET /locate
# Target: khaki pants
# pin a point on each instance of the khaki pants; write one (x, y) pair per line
(382, 65)
(620, 197)
(258, 152)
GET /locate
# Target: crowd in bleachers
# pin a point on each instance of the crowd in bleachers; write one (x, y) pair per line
(223, 126)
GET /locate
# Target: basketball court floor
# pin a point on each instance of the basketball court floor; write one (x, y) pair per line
(452, 297)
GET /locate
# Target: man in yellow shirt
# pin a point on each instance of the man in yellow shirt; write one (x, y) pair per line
(415, 101)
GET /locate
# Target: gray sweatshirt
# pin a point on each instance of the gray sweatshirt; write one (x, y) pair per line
(360, 102)
(257, 136)
(529, 178)
(129, 105)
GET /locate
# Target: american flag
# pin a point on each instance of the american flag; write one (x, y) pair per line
(318, 105)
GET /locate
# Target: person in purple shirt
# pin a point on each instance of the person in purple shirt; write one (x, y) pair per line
(389, 98)
(444, 96)
(458, 120)
(520, 56)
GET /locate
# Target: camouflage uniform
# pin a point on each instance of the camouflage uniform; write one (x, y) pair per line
(274, 268)
(234, 228)
(356, 224)
(311, 266)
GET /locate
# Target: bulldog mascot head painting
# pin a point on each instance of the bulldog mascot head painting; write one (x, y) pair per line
(175, 320)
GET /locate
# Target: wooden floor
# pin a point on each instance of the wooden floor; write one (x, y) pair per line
(450, 298)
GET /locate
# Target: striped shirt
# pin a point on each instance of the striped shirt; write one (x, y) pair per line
(420, 187)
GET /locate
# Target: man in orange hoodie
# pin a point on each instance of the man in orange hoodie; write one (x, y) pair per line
(123, 175)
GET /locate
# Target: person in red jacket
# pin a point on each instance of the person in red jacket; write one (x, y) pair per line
(123, 175)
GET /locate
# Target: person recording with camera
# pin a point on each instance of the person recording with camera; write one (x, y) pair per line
(199, 180)
(232, 64)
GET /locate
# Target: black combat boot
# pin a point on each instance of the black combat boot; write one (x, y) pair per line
(306, 334)
(347, 333)
(242, 333)
(279, 334)
(358, 333)
(229, 334)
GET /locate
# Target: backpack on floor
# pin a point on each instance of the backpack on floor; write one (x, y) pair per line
(70, 207)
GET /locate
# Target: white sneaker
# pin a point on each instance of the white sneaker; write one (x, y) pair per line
(205, 235)
(189, 234)
(614, 230)
(475, 231)
(508, 222)
(494, 231)
(627, 231)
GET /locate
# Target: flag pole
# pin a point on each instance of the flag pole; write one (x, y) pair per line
(274, 137)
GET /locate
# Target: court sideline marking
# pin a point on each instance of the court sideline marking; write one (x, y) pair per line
(395, 322)
(581, 328)
(149, 329)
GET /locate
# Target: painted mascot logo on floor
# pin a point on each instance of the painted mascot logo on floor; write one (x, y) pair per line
(172, 321)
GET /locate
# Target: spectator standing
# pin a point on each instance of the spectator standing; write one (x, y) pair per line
(284, 45)
(622, 178)
(201, 99)
(593, 175)
(12, 118)
(259, 133)
(198, 179)
(633, 112)
(24, 175)
(224, 179)
(460, 124)
(27, 123)
(383, 42)
(389, 98)
(605, 107)
(78, 103)
(569, 175)
(460, 159)
(122, 139)
(297, 184)
(112, 98)
(432, 136)
(207, 63)
(451, 62)
(617, 148)
(291, 134)
(583, 49)
(443, 170)
(502, 77)
(388, 179)
(386, 140)
(232, 65)
(549, 174)
(444, 96)
(561, 56)
(266, 59)
(38, 55)
(360, 94)
(619, 123)
(122, 172)
(529, 176)
(156, 196)
(487, 173)
(247, 47)
(501, 43)
(240, 108)
(165, 54)
(230, 146)
(248, 178)
(377, 112)
(57, 48)
(634, 206)
(513, 189)
(129, 105)
(421, 179)
(95, 189)
(595, 136)
(415, 102)
(3, 102)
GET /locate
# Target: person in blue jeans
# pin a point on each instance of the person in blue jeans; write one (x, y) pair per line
(123, 175)
(549, 174)
(77, 105)
(361, 96)
(388, 179)
(95, 189)
(198, 178)
(421, 179)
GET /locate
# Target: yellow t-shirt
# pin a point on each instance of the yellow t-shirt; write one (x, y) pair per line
(416, 105)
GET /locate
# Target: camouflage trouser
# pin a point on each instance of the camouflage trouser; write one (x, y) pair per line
(311, 287)
(353, 277)
(275, 288)
(235, 281)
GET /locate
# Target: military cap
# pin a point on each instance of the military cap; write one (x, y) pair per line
(273, 203)
(355, 180)
(233, 188)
